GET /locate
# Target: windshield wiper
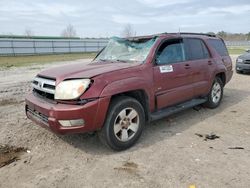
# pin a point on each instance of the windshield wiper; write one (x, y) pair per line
(113, 60)
(103, 60)
(123, 61)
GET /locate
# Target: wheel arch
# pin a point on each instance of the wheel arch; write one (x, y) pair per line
(222, 76)
(141, 96)
(137, 88)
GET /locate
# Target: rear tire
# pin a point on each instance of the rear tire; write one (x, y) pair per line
(215, 95)
(124, 123)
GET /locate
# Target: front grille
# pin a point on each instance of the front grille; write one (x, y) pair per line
(247, 61)
(37, 115)
(44, 87)
(43, 94)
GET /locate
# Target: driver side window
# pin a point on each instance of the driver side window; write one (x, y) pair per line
(170, 52)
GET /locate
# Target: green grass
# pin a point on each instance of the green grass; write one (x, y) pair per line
(18, 61)
(237, 50)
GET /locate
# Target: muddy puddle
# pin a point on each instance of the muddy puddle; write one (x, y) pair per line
(10, 154)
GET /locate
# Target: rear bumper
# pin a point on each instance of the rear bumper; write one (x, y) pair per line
(48, 114)
(242, 67)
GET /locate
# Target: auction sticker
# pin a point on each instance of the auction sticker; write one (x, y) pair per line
(166, 68)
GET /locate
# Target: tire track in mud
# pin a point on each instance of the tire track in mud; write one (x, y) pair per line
(14, 94)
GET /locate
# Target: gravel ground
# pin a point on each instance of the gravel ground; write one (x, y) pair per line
(169, 153)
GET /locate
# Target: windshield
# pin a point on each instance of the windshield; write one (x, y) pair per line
(120, 49)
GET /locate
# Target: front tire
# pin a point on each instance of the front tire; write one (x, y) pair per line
(124, 123)
(215, 95)
(239, 72)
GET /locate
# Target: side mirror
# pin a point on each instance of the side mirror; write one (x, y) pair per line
(157, 60)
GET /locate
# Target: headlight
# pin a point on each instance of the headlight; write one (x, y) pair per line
(239, 60)
(71, 89)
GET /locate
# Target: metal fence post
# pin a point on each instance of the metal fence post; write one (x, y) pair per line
(34, 46)
(84, 44)
(53, 50)
(69, 47)
(12, 46)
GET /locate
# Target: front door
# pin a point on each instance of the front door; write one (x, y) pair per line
(172, 74)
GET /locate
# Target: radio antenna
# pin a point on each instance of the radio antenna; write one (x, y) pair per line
(179, 31)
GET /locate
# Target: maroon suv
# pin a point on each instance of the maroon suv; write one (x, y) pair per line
(130, 82)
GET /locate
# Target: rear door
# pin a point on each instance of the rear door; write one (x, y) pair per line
(201, 62)
(172, 74)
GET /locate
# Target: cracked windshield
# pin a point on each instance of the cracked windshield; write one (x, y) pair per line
(119, 49)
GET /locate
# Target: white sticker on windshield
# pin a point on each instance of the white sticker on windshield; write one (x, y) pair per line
(166, 68)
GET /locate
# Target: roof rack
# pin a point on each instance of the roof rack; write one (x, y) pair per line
(159, 34)
(204, 34)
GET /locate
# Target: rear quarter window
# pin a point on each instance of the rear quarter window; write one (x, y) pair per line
(219, 46)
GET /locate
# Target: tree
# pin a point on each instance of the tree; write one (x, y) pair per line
(69, 31)
(28, 32)
(211, 33)
(248, 36)
(222, 34)
(128, 31)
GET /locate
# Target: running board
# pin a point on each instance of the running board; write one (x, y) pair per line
(174, 109)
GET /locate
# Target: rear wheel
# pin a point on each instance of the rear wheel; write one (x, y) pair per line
(124, 123)
(215, 95)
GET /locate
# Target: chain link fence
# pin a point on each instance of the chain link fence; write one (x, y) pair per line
(15, 47)
(238, 43)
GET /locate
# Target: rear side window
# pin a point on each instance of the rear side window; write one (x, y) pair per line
(219, 46)
(195, 49)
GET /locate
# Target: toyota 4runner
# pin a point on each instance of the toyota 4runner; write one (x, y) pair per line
(130, 82)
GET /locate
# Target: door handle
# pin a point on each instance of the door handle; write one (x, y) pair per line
(210, 62)
(187, 66)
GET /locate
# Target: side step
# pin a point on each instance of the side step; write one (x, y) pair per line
(174, 109)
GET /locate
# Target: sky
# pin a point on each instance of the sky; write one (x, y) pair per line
(105, 18)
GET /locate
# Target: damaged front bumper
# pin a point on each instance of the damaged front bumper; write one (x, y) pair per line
(65, 118)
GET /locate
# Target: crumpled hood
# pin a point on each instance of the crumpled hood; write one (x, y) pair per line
(83, 70)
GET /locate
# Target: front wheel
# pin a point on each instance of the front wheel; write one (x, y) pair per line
(239, 72)
(124, 123)
(215, 95)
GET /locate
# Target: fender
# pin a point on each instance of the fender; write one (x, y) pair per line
(125, 85)
(220, 69)
(223, 69)
(116, 87)
(130, 84)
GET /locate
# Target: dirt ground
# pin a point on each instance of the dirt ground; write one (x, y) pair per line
(169, 153)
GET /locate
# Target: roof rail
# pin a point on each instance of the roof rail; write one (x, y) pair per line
(204, 34)
(159, 34)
